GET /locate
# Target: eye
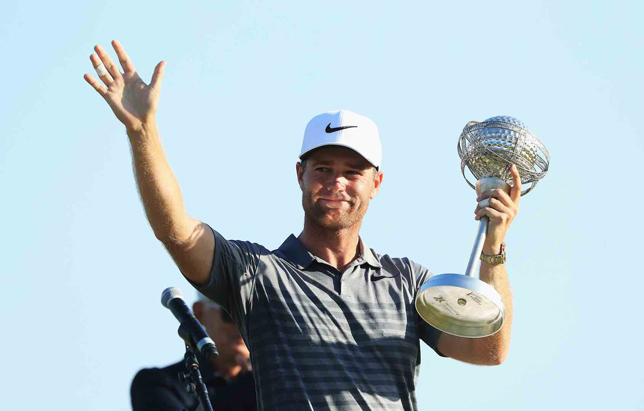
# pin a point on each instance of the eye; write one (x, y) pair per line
(323, 169)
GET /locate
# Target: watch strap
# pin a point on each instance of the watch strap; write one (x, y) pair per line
(495, 259)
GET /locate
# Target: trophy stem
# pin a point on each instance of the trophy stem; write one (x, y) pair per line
(473, 264)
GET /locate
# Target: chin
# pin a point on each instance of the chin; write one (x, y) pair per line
(337, 222)
(332, 225)
(330, 219)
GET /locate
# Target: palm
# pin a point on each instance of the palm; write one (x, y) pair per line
(132, 101)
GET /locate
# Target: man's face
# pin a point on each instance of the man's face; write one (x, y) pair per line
(337, 185)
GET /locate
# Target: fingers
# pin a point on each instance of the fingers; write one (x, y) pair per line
(515, 191)
(157, 77)
(101, 89)
(496, 203)
(109, 64)
(500, 195)
(101, 71)
(492, 214)
(124, 59)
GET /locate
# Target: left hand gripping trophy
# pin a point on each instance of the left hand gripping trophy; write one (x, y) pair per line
(463, 305)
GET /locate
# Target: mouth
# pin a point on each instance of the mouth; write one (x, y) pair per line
(332, 202)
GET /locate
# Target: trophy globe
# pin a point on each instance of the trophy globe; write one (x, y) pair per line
(463, 305)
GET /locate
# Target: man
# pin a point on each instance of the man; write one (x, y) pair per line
(229, 380)
(330, 323)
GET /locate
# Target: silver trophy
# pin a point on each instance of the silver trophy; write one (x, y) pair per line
(463, 305)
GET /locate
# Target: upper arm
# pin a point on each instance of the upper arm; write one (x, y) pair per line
(480, 351)
(194, 255)
(231, 271)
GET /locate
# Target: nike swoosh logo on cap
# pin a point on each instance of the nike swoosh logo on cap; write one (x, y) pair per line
(330, 129)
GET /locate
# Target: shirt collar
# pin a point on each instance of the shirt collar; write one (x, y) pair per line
(294, 251)
(369, 255)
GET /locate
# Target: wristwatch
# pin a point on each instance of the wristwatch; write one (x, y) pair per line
(500, 258)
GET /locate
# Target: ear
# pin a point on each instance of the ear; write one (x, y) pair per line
(377, 181)
(198, 308)
(300, 175)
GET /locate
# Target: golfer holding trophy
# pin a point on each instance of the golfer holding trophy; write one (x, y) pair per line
(331, 323)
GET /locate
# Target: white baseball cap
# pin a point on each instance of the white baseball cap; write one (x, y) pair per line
(347, 129)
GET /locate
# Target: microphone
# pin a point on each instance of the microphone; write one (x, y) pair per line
(172, 299)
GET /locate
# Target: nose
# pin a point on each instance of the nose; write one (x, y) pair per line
(337, 181)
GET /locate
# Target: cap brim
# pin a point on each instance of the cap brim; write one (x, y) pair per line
(309, 151)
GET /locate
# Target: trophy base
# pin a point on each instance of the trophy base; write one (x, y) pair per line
(461, 305)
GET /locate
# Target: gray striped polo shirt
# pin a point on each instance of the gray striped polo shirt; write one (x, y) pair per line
(321, 339)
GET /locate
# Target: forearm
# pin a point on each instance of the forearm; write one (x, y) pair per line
(158, 187)
(190, 242)
(491, 350)
(498, 345)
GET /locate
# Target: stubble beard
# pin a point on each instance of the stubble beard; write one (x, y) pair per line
(321, 216)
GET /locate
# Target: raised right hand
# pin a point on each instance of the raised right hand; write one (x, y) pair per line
(133, 102)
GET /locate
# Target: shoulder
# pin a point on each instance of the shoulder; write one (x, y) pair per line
(157, 376)
(159, 389)
(233, 248)
(414, 272)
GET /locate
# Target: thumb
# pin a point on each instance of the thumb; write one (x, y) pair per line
(515, 191)
(157, 77)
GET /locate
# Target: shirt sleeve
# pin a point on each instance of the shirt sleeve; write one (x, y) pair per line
(427, 333)
(232, 276)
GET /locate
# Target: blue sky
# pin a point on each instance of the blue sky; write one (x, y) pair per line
(83, 273)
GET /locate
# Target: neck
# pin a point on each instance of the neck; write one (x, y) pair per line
(337, 247)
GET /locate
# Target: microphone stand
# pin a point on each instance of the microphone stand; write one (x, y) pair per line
(192, 379)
